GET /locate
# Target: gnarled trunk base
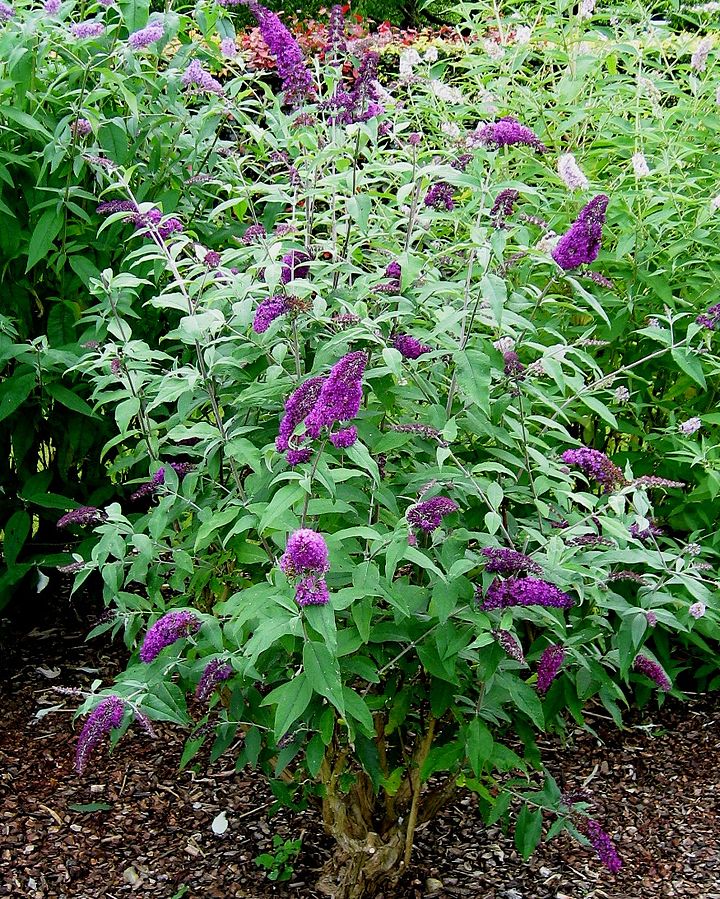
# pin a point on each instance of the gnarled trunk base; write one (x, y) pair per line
(361, 868)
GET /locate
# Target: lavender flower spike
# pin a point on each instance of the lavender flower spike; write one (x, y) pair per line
(298, 406)
(297, 81)
(409, 346)
(103, 718)
(266, 313)
(87, 29)
(510, 644)
(508, 132)
(344, 438)
(581, 243)
(166, 631)
(523, 591)
(215, 672)
(312, 591)
(428, 515)
(340, 395)
(196, 78)
(604, 846)
(595, 466)
(652, 670)
(151, 34)
(83, 516)
(548, 667)
(508, 561)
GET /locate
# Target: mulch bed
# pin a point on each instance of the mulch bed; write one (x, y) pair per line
(656, 787)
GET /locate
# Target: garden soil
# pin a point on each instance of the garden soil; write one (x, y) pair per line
(655, 786)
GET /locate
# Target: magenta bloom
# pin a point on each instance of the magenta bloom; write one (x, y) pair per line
(580, 245)
(83, 516)
(394, 271)
(652, 670)
(595, 466)
(306, 553)
(215, 672)
(103, 718)
(344, 438)
(361, 103)
(298, 406)
(153, 220)
(297, 81)
(158, 479)
(81, 127)
(340, 394)
(253, 233)
(312, 591)
(549, 667)
(508, 561)
(523, 591)
(266, 313)
(409, 346)
(298, 456)
(294, 266)
(150, 34)
(604, 847)
(711, 318)
(196, 78)
(166, 631)
(508, 132)
(503, 206)
(428, 514)
(335, 44)
(111, 206)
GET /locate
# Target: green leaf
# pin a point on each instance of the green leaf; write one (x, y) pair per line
(69, 399)
(358, 710)
(528, 830)
(292, 699)
(599, 408)
(689, 364)
(16, 532)
(499, 809)
(478, 745)
(323, 672)
(314, 755)
(474, 376)
(527, 700)
(15, 390)
(43, 236)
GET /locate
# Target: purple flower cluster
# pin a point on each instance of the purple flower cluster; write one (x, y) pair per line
(426, 431)
(297, 81)
(711, 318)
(158, 479)
(87, 29)
(83, 516)
(335, 44)
(306, 557)
(394, 273)
(549, 667)
(409, 346)
(440, 196)
(588, 540)
(462, 162)
(298, 406)
(510, 644)
(150, 34)
(298, 456)
(112, 206)
(228, 48)
(196, 78)
(428, 514)
(650, 480)
(268, 310)
(508, 561)
(360, 104)
(153, 220)
(51, 7)
(652, 670)
(595, 466)
(215, 672)
(344, 438)
(645, 533)
(6, 12)
(253, 233)
(503, 206)
(103, 718)
(581, 243)
(508, 132)
(604, 846)
(212, 259)
(81, 127)
(340, 395)
(523, 591)
(294, 265)
(512, 366)
(166, 631)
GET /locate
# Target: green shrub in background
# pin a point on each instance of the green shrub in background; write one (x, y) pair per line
(408, 484)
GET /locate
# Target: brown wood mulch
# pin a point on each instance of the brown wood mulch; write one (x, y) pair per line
(656, 787)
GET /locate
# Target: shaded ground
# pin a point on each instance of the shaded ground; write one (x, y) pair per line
(656, 786)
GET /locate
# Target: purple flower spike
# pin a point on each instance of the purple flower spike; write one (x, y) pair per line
(151, 34)
(294, 266)
(344, 438)
(595, 466)
(581, 243)
(508, 132)
(299, 456)
(604, 846)
(394, 271)
(7, 12)
(166, 631)
(510, 644)
(306, 553)
(549, 667)
(503, 206)
(340, 394)
(440, 196)
(409, 346)
(652, 670)
(297, 81)
(103, 718)
(312, 591)
(360, 104)
(298, 406)
(253, 233)
(523, 591)
(336, 45)
(89, 28)
(83, 516)
(215, 672)
(266, 313)
(112, 206)
(508, 561)
(710, 319)
(428, 515)
(200, 81)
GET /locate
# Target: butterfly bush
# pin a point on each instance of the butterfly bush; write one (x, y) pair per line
(415, 439)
